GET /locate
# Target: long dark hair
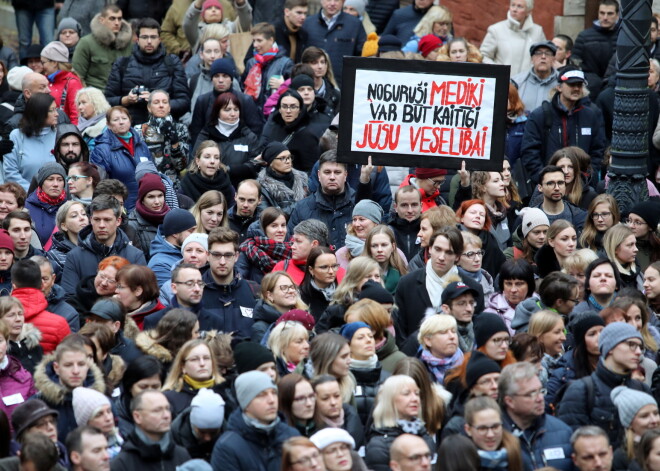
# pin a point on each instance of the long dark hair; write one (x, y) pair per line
(36, 113)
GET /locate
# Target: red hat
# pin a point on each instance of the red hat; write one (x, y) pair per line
(298, 315)
(429, 172)
(210, 3)
(149, 182)
(5, 241)
(429, 43)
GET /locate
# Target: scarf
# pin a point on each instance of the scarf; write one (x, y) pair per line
(414, 427)
(254, 423)
(497, 459)
(327, 292)
(226, 129)
(128, 142)
(154, 217)
(265, 253)
(475, 275)
(84, 201)
(439, 366)
(435, 284)
(354, 245)
(369, 364)
(163, 443)
(254, 77)
(288, 179)
(195, 184)
(465, 337)
(336, 423)
(86, 123)
(45, 198)
(497, 212)
(209, 383)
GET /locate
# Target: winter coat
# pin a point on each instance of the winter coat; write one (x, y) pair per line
(274, 192)
(141, 313)
(299, 139)
(315, 300)
(283, 39)
(125, 348)
(146, 344)
(137, 9)
(194, 25)
(534, 90)
(243, 447)
(83, 260)
(43, 216)
(27, 350)
(28, 156)
(405, 233)
(183, 435)
(231, 305)
(346, 38)
(264, 315)
(136, 454)
(380, 440)
(368, 381)
(52, 327)
(241, 224)
(575, 410)
(110, 154)
(403, 22)
(280, 65)
(157, 71)
(546, 433)
(524, 312)
(63, 87)
(582, 127)
(15, 380)
(380, 12)
(508, 42)
(145, 231)
(497, 304)
(593, 49)
(59, 397)
(83, 11)
(96, 52)
(59, 249)
(564, 372)
(57, 305)
(389, 354)
(180, 400)
(163, 257)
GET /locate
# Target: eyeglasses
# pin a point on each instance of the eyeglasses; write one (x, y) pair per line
(290, 107)
(436, 183)
(560, 183)
(533, 394)
(75, 178)
(206, 358)
(190, 283)
(107, 279)
(285, 159)
(602, 215)
(334, 267)
(146, 37)
(576, 301)
(309, 398)
(501, 340)
(632, 345)
(307, 460)
(472, 255)
(635, 222)
(484, 429)
(419, 457)
(287, 288)
(539, 53)
(220, 255)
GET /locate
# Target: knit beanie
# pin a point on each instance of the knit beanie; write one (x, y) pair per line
(56, 51)
(249, 385)
(301, 80)
(150, 182)
(28, 413)
(144, 168)
(389, 43)
(628, 402)
(86, 403)
(249, 356)
(615, 333)
(69, 23)
(376, 292)
(207, 410)
(298, 315)
(177, 220)
(359, 5)
(428, 44)
(582, 325)
(6, 241)
(532, 218)
(16, 75)
(369, 209)
(424, 173)
(486, 325)
(223, 66)
(201, 239)
(370, 47)
(210, 3)
(327, 436)
(348, 330)
(479, 365)
(272, 150)
(48, 169)
(313, 229)
(649, 211)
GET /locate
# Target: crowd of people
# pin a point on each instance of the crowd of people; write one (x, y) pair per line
(191, 279)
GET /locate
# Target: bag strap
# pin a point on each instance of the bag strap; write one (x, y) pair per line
(547, 125)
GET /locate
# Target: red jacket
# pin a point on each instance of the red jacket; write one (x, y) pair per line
(296, 269)
(53, 328)
(71, 83)
(428, 201)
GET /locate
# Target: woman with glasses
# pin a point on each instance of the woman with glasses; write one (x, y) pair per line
(207, 172)
(301, 454)
(287, 124)
(380, 245)
(81, 180)
(282, 186)
(297, 402)
(338, 450)
(101, 285)
(469, 263)
(603, 213)
(561, 241)
(643, 221)
(620, 245)
(498, 448)
(322, 275)
(366, 215)
(549, 328)
(289, 342)
(137, 290)
(279, 294)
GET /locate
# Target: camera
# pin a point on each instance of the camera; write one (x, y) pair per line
(138, 90)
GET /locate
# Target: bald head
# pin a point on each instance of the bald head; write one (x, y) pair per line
(34, 83)
(410, 453)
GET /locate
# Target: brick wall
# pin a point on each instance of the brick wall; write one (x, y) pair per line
(472, 17)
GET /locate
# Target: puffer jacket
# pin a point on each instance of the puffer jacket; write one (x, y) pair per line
(163, 256)
(575, 411)
(380, 12)
(63, 87)
(594, 47)
(243, 447)
(43, 216)
(497, 304)
(157, 71)
(52, 327)
(563, 373)
(15, 379)
(27, 350)
(379, 442)
(136, 454)
(368, 381)
(145, 232)
(405, 233)
(183, 435)
(276, 193)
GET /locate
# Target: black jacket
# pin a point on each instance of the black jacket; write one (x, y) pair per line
(299, 137)
(135, 454)
(241, 224)
(380, 440)
(368, 381)
(283, 40)
(406, 235)
(380, 13)
(315, 300)
(182, 434)
(180, 400)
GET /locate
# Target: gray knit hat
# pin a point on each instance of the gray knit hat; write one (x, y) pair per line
(615, 333)
(201, 239)
(370, 210)
(313, 229)
(207, 410)
(249, 385)
(56, 51)
(48, 169)
(69, 23)
(628, 402)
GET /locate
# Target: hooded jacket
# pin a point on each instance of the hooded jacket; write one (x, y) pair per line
(84, 259)
(27, 350)
(57, 305)
(64, 130)
(28, 155)
(15, 379)
(64, 86)
(96, 52)
(163, 257)
(264, 316)
(523, 313)
(52, 327)
(43, 216)
(136, 454)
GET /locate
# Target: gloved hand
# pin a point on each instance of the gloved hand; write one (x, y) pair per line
(6, 146)
(168, 130)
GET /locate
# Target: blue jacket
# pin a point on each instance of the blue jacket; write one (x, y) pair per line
(346, 38)
(43, 216)
(57, 305)
(557, 377)
(547, 433)
(244, 448)
(230, 305)
(115, 159)
(28, 155)
(582, 127)
(163, 257)
(403, 21)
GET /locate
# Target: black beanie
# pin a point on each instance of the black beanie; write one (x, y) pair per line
(302, 80)
(582, 325)
(479, 365)
(486, 325)
(272, 150)
(249, 356)
(649, 211)
(375, 291)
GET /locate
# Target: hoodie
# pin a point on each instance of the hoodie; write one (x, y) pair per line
(524, 312)
(163, 257)
(52, 327)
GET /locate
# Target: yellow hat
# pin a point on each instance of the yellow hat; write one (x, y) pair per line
(370, 47)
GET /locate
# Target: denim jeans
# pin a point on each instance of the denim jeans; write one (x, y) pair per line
(25, 20)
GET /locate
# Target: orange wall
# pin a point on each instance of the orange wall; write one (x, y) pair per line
(472, 17)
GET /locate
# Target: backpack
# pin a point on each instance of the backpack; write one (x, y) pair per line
(588, 383)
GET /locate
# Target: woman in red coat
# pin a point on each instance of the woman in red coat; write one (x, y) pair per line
(63, 83)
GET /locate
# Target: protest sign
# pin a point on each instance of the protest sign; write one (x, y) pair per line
(423, 113)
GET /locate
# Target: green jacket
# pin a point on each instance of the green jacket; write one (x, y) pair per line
(389, 354)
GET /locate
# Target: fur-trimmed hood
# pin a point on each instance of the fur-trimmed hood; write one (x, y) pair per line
(30, 335)
(131, 329)
(116, 371)
(109, 39)
(146, 343)
(49, 387)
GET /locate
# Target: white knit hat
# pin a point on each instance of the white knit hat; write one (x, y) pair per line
(86, 403)
(207, 410)
(327, 436)
(532, 218)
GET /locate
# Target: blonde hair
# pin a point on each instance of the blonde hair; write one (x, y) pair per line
(358, 268)
(385, 413)
(470, 239)
(323, 351)
(435, 14)
(208, 144)
(614, 237)
(7, 303)
(283, 334)
(174, 379)
(543, 322)
(395, 259)
(578, 260)
(96, 98)
(372, 313)
(473, 53)
(208, 199)
(434, 324)
(269, 282)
